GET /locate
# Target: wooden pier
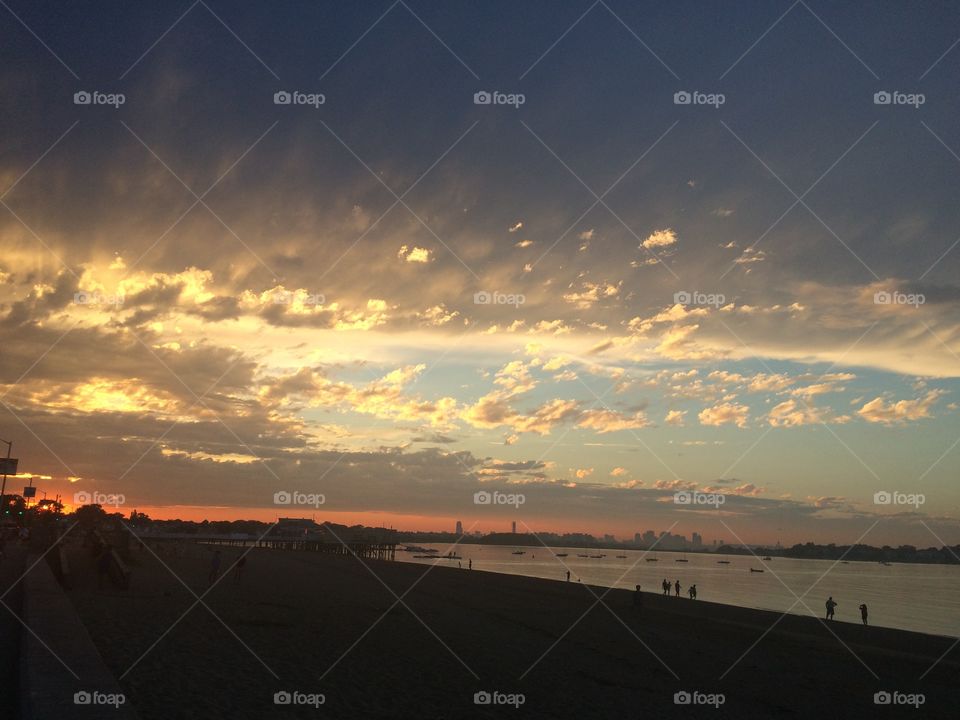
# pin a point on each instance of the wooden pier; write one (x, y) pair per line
(366, 550)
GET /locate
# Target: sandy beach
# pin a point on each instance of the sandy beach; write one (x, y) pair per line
(319, 624)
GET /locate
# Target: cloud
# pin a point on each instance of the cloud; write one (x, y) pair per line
(604, 421)
(879, 410)
(514, 228)
(413, 254)
(724, 414)
(675, 418)
(660, 239)
(586, 234)
(618, 472)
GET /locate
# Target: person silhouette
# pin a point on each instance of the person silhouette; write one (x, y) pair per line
(863, 612)
(238, 571)
(666, 586)
(676, 587)
(830, 606)
(637, 598)
(693, 592)
(568, 576)
(214, 567)
(470, 564)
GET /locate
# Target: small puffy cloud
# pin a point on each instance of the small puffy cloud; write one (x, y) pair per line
(586, 234)
(591, 293)
(515, 228)
(604, 421)
(791, 413)
(675, 418)
(660, 239)
(725, 414)
(879, 410)
(523, 243)
(723, 212)
(750, 256)
(413, 254)
(618, 471)
(583, 473)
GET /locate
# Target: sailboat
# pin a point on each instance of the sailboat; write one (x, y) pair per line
(683, 559)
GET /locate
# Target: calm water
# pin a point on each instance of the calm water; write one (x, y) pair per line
(925, 598)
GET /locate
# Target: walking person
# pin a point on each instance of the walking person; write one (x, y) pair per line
(693, 592)
(863, 612)
(238, 569)
(568, 576)
(214, 567)
(831, 605)
(677, 588)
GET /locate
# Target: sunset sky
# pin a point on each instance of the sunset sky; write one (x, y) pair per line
(207, 297)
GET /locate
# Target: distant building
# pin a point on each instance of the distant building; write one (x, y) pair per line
(649, 538)
(697, 540)
(609, 538)
(513, 527)
(294, 527)
(459, 528)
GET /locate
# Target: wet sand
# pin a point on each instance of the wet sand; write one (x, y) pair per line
(302, 622)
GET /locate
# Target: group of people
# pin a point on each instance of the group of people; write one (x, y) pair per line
(666, 585)
(832, 605)
(238, 567)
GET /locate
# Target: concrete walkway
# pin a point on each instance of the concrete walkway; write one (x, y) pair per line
(61, 672)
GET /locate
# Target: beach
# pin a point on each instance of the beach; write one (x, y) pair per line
(328, 625)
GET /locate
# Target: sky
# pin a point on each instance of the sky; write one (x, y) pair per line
(709, 249)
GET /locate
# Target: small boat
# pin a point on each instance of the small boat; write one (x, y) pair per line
(583, 556)
(723, 562)
(767, 557)
(561, 554)
(755, 570)
(518, 552)
(597, 557)
(681, 560)
(844, 562)
(651, 559)
(621, 556)
(884, 562)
